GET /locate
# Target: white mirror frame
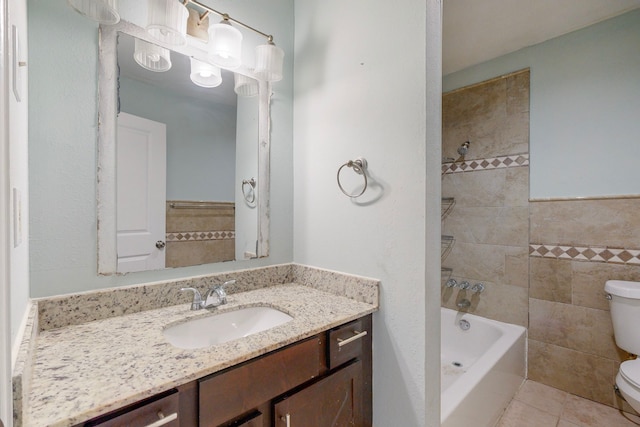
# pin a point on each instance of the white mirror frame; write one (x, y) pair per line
(107, 131)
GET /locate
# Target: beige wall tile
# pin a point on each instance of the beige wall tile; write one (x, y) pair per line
(550, 279)
(578, 328)
(589, 279)
(489, 225)
(579, 373)
(505, 265)
(516, 267)
(517, 182)
(472, 189)
(498, 302)
(518, 85)
(605, 222)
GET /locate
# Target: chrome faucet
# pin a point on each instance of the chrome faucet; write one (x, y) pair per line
(215, 297)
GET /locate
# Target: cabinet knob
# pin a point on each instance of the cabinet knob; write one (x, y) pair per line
(160, 244)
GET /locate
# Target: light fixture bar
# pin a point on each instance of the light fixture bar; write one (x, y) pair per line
(226, 17)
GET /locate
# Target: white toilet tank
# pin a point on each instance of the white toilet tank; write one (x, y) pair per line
(625, 313)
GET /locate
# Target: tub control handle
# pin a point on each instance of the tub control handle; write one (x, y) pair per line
(357, 336)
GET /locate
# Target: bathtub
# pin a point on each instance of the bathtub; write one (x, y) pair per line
(481, 368)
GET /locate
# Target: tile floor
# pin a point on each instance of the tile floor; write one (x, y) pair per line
(538, 405)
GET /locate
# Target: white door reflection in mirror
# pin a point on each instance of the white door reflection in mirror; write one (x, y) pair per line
(141, 188)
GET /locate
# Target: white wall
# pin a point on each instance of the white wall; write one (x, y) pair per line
(360, 91)
(585, 104)
(62, 143)
(18, 170)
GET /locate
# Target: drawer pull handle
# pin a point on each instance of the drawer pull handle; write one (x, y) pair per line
(287, 420)
(163, 420)
(357, 336)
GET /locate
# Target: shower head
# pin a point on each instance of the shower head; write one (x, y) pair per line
(464, 148)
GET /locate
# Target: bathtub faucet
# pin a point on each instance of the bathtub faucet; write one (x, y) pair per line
(464, 303)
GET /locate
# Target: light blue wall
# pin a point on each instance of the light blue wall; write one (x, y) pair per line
(201, 136)
(63, 149)
(585, 108)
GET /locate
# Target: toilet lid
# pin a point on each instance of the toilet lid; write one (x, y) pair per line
(630, 371)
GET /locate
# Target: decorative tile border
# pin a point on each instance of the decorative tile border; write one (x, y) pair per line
(501, 162)
(586, 253)
(185, 236)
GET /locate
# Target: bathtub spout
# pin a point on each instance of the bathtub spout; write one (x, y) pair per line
(463, 303)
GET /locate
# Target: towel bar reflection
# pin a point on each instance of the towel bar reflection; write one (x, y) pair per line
(359, 166)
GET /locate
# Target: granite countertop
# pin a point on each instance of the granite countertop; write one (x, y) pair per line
(82, 371)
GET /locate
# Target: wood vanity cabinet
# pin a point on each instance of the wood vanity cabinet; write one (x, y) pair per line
(322, 381)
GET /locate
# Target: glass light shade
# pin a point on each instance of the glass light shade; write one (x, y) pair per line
(245, 86)
(269, 62)
(205, 75)
(102, 11)
(225, 45)
(151, 56)
(168, 21)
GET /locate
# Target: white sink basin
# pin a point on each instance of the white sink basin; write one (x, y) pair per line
(219, 328)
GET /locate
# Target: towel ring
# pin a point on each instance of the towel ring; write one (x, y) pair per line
(359, 166)
(252, 184)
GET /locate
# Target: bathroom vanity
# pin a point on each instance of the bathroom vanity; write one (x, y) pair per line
(319, 381)
(97, 368)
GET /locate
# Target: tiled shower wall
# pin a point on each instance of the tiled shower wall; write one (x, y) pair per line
(199, 232)
(576, 246)
(544, 262)
(489, 221)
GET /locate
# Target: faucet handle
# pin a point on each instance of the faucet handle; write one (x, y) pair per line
(478, 288)
(464, 285)
(227, 283)
(196, 304)
(451, 283)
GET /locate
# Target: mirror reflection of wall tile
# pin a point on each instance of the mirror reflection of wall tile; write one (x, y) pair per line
(201, 234)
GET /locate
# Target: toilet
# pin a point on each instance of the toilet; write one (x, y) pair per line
(624, 302)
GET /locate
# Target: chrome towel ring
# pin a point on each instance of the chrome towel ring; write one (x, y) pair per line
(249, 192)
(359, 166)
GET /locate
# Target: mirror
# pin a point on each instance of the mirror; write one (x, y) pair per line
(182, 177)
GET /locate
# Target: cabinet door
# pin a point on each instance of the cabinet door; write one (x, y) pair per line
(334, 401)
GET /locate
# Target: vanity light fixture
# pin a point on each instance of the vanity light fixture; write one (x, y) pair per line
(244, 85)
(151, 57)
(225, 44)
(205, 75)
(167, 24)
(168, 21)
(102, 11)
(269, 61)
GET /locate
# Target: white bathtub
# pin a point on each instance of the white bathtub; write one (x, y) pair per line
(481, 368)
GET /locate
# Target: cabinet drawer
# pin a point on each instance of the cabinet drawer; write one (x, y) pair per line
(161, 412)
(231, 393)
(346, 342)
